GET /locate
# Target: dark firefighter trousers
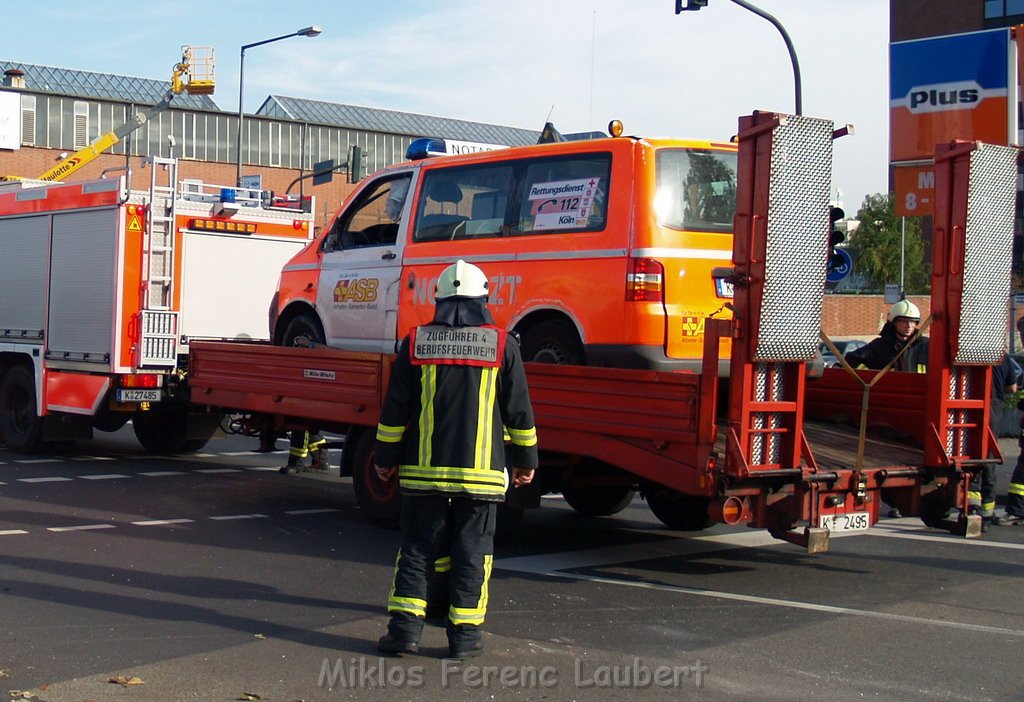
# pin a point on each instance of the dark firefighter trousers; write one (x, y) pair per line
(1015, 493)
(433, 527)
(305, 450)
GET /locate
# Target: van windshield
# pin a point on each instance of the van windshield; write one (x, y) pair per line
(696, 189)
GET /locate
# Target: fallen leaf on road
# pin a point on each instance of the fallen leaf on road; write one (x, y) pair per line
(250, 697)
(4, 674)
(122, 680)
(261, 636)
(22, 695)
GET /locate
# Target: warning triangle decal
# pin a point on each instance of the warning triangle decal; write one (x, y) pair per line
(133, 225)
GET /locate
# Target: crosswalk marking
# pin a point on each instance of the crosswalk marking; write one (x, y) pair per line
(51, 479)
(163, 522)
(104, 476)
(161, 473)
(82, 527)
(228, 517)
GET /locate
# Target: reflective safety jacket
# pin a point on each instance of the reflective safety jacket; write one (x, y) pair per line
(877, 354)
(454, 394)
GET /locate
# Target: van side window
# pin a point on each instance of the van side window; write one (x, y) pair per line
(696, 189)
(463, 203)
(373, 219)
(564, 194)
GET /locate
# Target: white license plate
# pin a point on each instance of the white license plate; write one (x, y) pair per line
(723, 287)
(854, 521)
(133, 395)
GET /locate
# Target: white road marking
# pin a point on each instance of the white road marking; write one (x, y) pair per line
(103, 476)
(12, 532)
(795, 604)
(52, 479)
(556, 565)
(204, 455)
(163, 522)
(95, 458)
(227, 517)
(240, 453)
(312, 511)
(217, 470)
(161, 473)
(898, 531)
(82, 527)
(264, 468)
(39, 460)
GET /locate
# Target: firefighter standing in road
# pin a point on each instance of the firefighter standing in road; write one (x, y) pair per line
(899, 328)
(456, 386)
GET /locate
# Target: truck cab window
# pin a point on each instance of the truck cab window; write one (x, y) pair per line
(373, 220)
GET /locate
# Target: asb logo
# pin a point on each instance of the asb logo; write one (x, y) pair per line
(962, 95)
(356, 290)
(693, 327)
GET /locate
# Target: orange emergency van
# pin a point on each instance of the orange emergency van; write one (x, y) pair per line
(599, 252)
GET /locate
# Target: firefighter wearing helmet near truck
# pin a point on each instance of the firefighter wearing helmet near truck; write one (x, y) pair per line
(457, 385)
(899, 328)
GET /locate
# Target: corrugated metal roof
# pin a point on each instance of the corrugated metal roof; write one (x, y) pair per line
(388, 121)
(105, 86)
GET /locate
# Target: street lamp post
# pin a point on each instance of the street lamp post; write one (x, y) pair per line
(698, 4)
(305, 32)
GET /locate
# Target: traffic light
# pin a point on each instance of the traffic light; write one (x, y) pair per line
(835, 237)
(682, 5)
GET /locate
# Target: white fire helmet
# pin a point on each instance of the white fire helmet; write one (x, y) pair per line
(461, 279)
(904, 308)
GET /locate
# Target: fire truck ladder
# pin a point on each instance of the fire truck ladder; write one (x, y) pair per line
(159, 323)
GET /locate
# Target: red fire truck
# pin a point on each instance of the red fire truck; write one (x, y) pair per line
(103, 288)
(750, 449)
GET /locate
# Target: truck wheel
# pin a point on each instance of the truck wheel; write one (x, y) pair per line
(596, 499)
(380, 501)
(173, 430)
(553, 341)
(305, 326)
(21, 429)
(677, 510)
(601, 501)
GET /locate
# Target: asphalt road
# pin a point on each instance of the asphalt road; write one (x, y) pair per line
(214, 577)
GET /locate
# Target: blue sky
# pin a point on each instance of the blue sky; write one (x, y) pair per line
(510, 63)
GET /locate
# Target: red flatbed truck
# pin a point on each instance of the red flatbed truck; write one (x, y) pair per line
(759, 457)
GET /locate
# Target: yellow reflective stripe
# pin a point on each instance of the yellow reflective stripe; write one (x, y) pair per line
(452, 474)
(468, 488)
(504, 434)
(973, 495)
(523, 437)
(317, 444)
(484, 416)
(466, 615)
(389, 435)
(443, 565)
(300, 452)
(922, 368)
(988, 506)
(413, 606)
(428, 382)
(1016, 489)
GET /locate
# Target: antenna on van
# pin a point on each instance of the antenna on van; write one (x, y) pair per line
(548, 119)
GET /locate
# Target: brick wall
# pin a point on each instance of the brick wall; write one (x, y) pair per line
(864, 315)
(30, 162)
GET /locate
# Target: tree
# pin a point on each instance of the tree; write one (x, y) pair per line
(876, 246)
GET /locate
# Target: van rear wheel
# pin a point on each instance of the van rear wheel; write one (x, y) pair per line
(553, 341)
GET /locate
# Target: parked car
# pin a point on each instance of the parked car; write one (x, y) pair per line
(845, 346)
